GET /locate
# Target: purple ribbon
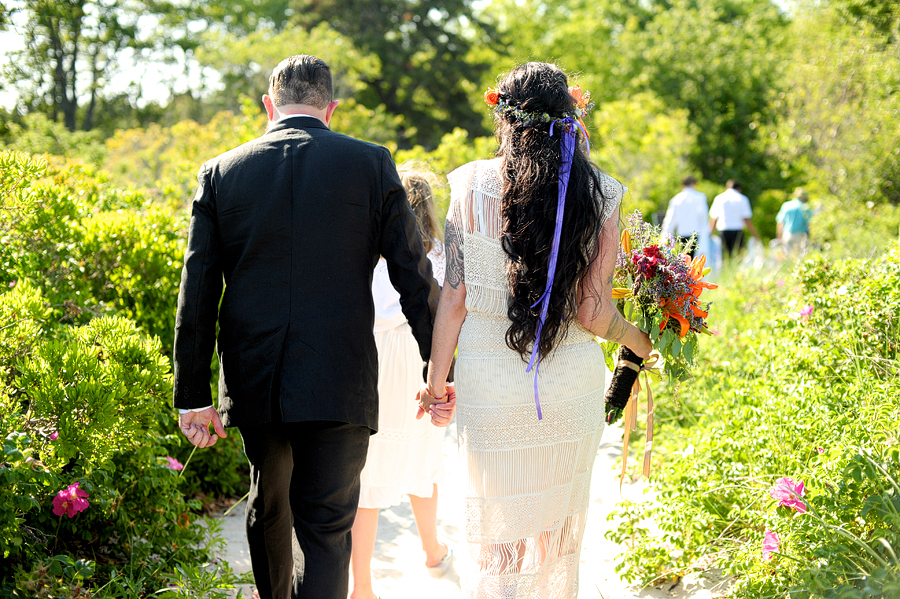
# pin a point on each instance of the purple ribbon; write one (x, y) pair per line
(568, 127)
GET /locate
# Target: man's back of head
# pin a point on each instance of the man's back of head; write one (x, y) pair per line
(301, 79)
(733, 184)
(688, 181)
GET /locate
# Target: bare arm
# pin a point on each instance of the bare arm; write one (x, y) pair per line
(778, 228)
(596, 310)
(712, 226)
(749, 224)
(450, 314)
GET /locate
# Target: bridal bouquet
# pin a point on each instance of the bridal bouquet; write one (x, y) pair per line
(658, 288)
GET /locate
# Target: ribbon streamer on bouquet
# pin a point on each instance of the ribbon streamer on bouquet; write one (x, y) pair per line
(568, 127)
(629, 418)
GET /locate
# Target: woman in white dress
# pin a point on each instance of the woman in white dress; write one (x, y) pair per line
(406, 456)
(531, 243)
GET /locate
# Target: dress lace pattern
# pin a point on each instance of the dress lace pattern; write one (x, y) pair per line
(528, 480)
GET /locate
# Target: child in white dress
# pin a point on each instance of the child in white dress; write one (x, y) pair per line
(406, 456)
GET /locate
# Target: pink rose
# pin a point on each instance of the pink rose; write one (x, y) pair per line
(771, 544)
(806, 310)
(173, 463)
(788, 493)
(54, 436)
(70, 501)
(820, 449)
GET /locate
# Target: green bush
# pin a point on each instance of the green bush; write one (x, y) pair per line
(85, 394)
(801, 382)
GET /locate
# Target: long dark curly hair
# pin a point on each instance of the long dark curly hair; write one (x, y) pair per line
(531, 159)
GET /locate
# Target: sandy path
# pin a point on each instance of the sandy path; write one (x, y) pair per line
(398, 564)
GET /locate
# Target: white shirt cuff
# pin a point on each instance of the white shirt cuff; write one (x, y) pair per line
(181, 411)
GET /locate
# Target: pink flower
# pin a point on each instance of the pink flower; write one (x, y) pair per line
(716, 332)
(70, 501)
(771, 544)
(54, 436)
(806, 310)
(173, 463)
(788, 493)
(780, 282)
(820, 449)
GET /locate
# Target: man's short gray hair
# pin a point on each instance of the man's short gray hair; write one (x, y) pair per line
(301, 79)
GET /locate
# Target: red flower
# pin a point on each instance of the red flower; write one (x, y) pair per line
(491, 97)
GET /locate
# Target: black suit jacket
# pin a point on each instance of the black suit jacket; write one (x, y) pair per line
(294, 222)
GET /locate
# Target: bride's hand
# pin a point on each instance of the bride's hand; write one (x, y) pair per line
(426, 399)
(442, 413)
(640, 343)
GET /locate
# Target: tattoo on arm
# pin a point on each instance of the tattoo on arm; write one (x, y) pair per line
(454, 247)
(617, 328)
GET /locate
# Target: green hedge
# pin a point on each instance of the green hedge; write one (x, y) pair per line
(801, 382)
(89, 283)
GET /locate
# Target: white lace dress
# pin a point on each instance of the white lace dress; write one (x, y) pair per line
(406, 455)
(528, 479)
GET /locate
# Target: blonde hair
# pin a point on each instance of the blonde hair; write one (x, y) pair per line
(418, 181)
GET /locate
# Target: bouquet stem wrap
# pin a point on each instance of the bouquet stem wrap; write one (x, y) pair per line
(622, 400)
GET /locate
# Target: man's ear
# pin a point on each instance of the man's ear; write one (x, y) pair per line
(270, 106)
(329, 110)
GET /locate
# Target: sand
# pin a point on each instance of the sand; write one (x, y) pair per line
(398, 566)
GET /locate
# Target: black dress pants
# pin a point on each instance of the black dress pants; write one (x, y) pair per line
(304, 480)
(733, 241)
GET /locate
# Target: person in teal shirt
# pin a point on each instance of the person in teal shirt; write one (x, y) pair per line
(793, 222)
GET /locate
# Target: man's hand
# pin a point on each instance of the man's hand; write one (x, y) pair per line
(195, 426)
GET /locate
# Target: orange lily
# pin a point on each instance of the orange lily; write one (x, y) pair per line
(626, 241)
(670, 310)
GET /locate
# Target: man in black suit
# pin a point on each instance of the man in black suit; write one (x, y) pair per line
(294, 222)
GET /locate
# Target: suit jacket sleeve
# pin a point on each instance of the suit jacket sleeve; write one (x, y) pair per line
(407, 262)
(198, 301)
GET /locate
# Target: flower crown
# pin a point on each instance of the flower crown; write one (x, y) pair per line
(500, 105)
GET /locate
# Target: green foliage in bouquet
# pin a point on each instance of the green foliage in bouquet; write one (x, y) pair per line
(781, 463)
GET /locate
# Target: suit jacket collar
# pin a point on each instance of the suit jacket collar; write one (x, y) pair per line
(298, 122)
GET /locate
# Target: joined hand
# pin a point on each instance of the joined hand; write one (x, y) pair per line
(441, 411)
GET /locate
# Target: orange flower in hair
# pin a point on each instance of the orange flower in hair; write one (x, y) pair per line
(491, 97)
(582, 98)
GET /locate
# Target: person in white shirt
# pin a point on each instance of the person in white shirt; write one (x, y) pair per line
(730, 215)
(686, 216)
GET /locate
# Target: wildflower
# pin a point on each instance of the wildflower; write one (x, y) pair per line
(54, 435)
(780, 282)
(820, 449)
(771, 544)
(788, 493)
(12, 284)
(173, 463)
(806, 310)
(491, 97)
(70, 501)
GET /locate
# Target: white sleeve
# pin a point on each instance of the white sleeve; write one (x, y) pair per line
(669, 222)
(716, 210)
(438, 261)
(748, 212)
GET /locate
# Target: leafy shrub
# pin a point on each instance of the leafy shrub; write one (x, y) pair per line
(85, 395)
(802, 382)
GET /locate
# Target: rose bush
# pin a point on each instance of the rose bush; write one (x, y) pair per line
(780, 460)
